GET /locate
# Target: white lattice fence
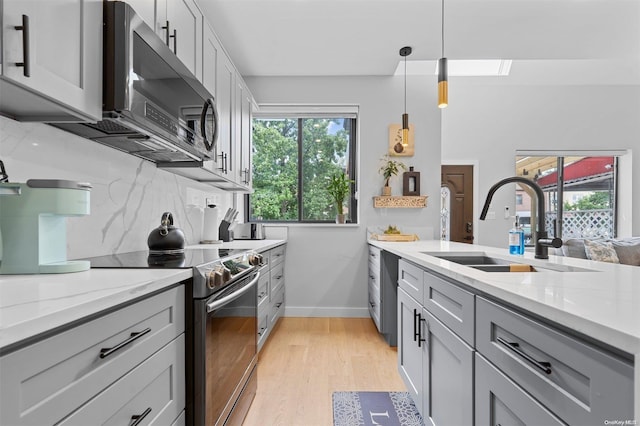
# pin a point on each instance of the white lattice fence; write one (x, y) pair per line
(583, 223)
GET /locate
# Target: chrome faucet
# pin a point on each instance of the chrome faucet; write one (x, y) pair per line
(542, 240)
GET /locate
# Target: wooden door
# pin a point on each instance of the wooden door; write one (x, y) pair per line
(459, 180)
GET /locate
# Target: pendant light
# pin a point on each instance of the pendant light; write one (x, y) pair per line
(404, 52)
(443, 85)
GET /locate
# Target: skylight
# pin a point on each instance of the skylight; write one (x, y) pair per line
(459, 67)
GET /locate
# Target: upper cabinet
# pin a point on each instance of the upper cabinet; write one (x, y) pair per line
(179, 24)
(51, 60)
(244, 111)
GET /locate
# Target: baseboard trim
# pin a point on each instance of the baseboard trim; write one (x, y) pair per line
(336, 312)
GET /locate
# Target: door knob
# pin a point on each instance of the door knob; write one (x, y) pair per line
(469, 227)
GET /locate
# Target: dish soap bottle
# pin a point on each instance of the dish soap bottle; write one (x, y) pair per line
(516, 239)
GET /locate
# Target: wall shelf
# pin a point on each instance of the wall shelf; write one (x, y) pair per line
(400, 202)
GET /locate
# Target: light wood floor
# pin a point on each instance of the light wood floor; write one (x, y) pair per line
(306, 359)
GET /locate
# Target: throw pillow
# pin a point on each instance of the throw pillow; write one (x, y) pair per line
(574, 247)
(602, 251)
(628, 253)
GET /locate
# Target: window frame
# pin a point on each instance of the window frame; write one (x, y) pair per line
(560, 156)
(314, 112)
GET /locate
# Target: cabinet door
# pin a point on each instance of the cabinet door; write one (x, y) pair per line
(62, 55)
(246, 104)
(410, 347)
(499, 401)
(185, 33)
(448, 376)
(211, 54)
(225, 101)
(146, 10)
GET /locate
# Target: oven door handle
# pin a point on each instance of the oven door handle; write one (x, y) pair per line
(212, 306)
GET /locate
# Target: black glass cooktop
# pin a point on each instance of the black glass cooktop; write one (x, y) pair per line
(143, 259)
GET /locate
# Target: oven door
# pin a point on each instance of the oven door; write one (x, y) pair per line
(228, 354)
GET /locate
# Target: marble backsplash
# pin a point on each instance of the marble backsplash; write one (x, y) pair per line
(128, 194)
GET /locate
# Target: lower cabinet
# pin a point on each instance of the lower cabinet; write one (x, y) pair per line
(411, 350)
(499, 401)
(271, 293)
(514, 370)
(435, 364)
(447, 375)
(110, 370)
(383, 292)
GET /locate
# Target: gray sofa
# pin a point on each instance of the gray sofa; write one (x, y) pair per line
(627, 250)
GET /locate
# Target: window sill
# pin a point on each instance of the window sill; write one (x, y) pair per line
(312, 225)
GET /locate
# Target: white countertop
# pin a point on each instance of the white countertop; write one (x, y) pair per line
(603, 304)
(34, 304)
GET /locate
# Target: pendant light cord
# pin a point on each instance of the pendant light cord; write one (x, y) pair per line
(405, 84)
(442, 27)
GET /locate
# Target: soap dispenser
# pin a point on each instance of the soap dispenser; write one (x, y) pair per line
(516, 239)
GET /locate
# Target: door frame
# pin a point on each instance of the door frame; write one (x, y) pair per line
(476, 200)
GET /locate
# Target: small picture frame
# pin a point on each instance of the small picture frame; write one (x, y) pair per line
(396, 148)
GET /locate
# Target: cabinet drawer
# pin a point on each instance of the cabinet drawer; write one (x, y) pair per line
(499, 401)
(277, 255)
(374, 279)
(583, 384)
(450, 304)
(277, 308)
(374, 256)
(277, 278)
(155, 388)
(263, 287)
(374, 305)
(46, 381)
(263, 327)
(410, 279)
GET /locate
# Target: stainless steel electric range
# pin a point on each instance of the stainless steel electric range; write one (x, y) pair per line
(221, 323)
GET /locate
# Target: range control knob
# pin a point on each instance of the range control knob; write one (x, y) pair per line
(255, 259)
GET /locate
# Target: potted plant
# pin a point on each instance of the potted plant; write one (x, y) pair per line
(338, 189)
(388, 169)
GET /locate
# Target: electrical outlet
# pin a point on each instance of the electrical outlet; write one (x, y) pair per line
(506, 212)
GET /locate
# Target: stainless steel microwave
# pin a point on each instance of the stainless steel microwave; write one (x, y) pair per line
(153, 106)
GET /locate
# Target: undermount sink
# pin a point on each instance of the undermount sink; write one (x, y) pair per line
(482, 262)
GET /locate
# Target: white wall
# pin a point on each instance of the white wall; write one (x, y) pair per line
(128, 196)
(489, 123)
(326, 266)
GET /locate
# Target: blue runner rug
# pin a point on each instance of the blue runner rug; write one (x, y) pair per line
(375, 408)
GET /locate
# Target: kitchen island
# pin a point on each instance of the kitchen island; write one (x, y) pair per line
(595, 302)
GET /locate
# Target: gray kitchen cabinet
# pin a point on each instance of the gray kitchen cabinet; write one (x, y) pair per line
(435, 364)
(225, 103)
(51, 60)
(65, 374)
(576, 381)
(244, 115)
(499, 401)
(185, 33)
(411, 279)
(447, 374)
(451, 304)
(179, 24)
(514, 370)
(154, 392)
(411, 348)
(271, 292)
(383, 292)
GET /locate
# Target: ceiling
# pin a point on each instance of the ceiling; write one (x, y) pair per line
(571, 41)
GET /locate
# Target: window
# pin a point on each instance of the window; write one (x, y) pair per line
(293, 158)
(580, 201)
(518, 199)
